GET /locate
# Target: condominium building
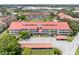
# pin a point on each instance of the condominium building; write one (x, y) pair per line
(7, 19)
(2, 26)
(37, 15)
(64, 16)
(61, 28)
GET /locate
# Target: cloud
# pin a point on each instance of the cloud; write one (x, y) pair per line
(39, 1)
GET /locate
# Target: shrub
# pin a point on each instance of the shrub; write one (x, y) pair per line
(26, 51)
(25, 34)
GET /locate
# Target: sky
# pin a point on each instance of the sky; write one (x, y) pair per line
(39, 1)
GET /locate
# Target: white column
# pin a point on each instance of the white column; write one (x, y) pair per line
(57, 31)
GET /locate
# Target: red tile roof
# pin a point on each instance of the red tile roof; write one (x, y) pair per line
(36, 13)
(60, 37)
(44, 25)
(62, 15)
(36, 45)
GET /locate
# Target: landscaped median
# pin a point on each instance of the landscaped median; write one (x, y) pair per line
(77, 51)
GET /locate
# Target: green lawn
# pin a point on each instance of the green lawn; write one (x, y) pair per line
(42, 52)
(77, 51)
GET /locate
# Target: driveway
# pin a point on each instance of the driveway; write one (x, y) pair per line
(67, 48)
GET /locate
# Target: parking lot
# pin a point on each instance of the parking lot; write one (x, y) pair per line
(39, 40)
(67, 48)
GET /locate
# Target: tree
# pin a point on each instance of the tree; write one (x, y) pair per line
(8, 45)
(73, 25)
(71, 33)
(26, 51)
(57, 51)
(22, 17)
(50, 18)
(25, 34)
(44, 19)
(74, 14)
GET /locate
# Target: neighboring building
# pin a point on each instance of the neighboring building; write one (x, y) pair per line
(2, 26)
(76, 11)
(76, 19)
(37, 15)
(64, 16)
(40, 27)
(7, 20)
